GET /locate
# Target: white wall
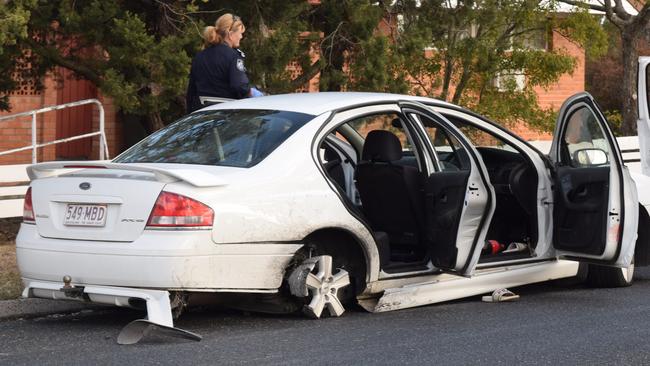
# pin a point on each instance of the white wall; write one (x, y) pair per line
(11, 174)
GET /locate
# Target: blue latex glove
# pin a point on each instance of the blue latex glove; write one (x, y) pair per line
(256, 93)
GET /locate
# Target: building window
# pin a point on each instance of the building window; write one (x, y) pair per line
(510, 80)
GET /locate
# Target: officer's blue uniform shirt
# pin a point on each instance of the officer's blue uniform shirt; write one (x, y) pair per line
(217, 71)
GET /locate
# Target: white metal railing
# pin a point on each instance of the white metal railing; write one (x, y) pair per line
(103, 146)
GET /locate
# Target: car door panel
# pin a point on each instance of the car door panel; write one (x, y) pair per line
(458, 203)
(583, 190)
(444, 198)
(594, 202)
(580, 213)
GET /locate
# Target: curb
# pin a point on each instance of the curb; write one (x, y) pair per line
(32, 307)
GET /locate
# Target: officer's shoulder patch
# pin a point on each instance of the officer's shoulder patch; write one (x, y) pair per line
(240, 65)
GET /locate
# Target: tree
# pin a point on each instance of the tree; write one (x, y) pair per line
(603, 76)
(137, 52)
(481, 51)
(134, 52)
(352, 53)
(632, 29)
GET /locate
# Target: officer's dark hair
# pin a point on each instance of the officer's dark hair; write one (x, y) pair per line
(216, 34)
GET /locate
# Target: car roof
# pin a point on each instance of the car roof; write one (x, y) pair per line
(317, 103)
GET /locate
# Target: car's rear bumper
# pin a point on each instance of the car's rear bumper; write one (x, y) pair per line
(186, 260)
(156, 301)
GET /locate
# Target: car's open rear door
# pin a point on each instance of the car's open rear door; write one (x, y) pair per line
(595, 209)
(459, 199)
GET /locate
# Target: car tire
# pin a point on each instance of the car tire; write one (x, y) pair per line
(604, 276)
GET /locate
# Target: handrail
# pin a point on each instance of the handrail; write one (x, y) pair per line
(103, 145)
(631, 151)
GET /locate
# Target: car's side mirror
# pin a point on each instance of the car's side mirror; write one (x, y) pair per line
(590, 157)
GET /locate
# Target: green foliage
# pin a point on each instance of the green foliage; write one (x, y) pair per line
(604, 75)
(615, 120)
(13, 24)
(584, 29)
(511, 108)
(139, 52)
(348, 29)
(480, 48)
(375, 67)
(14, 19)
(111, 43)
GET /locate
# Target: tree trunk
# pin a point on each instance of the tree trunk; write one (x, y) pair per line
(462, 83)
(333, 70)
(155, 121)
(449, 61)
(449, 66)
(630, 58)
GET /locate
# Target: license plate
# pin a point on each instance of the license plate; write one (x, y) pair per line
(85, 215)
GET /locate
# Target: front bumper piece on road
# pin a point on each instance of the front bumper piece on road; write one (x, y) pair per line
(159, 315)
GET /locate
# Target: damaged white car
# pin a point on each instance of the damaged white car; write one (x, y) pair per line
(316, 201)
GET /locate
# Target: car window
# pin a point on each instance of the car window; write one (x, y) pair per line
(238, 138)
(499, 156)
(584, 139)
(388, 122)
(451, 154)
(480, 138)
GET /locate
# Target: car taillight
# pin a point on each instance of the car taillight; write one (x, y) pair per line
(28, 208)
(175, 210)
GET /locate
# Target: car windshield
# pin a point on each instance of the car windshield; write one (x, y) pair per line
(238, 138)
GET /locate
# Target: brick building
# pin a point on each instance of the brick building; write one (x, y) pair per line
(566, 86)
(58, 124)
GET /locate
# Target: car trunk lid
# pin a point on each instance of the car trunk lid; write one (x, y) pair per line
(100, 200)
(109, 209)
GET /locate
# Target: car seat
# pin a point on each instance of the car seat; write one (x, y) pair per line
(390, 193)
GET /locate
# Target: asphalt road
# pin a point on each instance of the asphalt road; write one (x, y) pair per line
(549, 325)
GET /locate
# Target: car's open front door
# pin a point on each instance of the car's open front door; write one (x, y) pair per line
(595, 206)
(643, 124)
(459, 200)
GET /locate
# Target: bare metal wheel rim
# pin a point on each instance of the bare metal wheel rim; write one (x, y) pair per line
(324, 286)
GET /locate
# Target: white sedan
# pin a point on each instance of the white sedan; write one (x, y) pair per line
(315, 201)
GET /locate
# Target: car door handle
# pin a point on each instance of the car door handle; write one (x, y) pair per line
(569, 201)
(581, 192)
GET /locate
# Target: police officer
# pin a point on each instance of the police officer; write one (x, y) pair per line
(218, 70)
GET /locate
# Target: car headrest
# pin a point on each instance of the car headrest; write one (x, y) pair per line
(381, 145)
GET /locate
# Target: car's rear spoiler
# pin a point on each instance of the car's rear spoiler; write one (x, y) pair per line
(194, 177)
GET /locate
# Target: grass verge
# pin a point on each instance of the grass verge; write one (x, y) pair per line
(10, 285)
